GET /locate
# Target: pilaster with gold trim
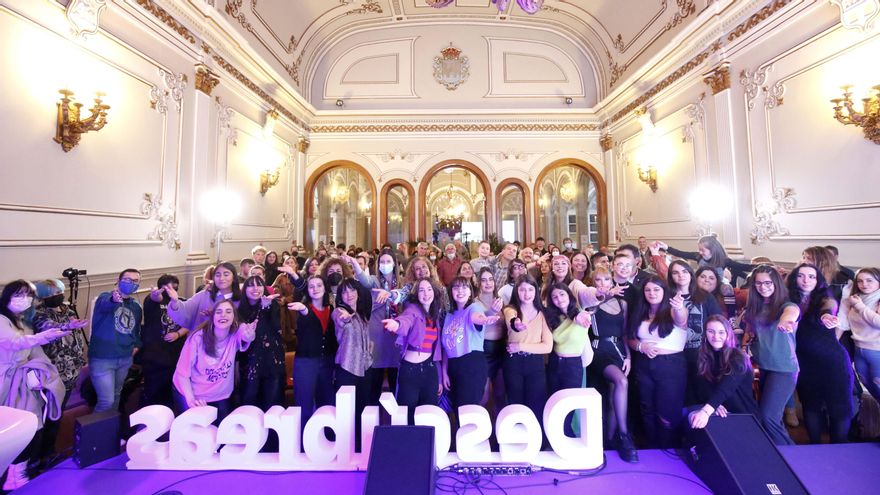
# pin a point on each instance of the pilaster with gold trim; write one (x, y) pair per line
(204, 173)
(206, 80)
(299, 181)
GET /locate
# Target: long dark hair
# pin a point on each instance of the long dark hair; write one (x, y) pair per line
(719, 297)
(697, 295)
(236, 291)
(247, 311)
(662, 322)
(364, 301)
(514, 297)
(435, 309)
(460, 282)
(390, 281)
(718, 256)
(14, 288)
(307, 299)
(488, 270)
(816, 297)
(209, 340)
(731, 358)
(555, 315)
(757, 310)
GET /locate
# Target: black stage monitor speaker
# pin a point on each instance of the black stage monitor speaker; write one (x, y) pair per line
(401, 461)
(95, 438)
(734, 455)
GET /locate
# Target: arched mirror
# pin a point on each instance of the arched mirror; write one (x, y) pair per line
(568, 206)
(513, 218)
(398, 219)
(340, 208)
(455, 206)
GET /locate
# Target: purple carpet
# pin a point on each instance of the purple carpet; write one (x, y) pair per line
(849, 468)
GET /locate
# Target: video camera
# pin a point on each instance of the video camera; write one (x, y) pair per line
(72, 273)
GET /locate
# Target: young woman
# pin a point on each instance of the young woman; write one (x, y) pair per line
(20, 356)
(263, 367)
(560, 272)
(514, 269)
(572, 352)
(827, 263)
(466, 270)
(195, 311)
(860, 312)
(417, 329)
(272, 264)
(724, 376)
(772, 319)
(494, 338)
(354, 356)
(580, 267)
(700, 306)
(528, 340)
(316, 347)
(708, 280)
(310, 268)
(334, 271)
(612, 360)
(825, 380)
(711, 253)
(465, 369)
(658, 334)
(386, 356)
(204, 374)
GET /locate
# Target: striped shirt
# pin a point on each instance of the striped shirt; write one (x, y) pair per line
(431, 333)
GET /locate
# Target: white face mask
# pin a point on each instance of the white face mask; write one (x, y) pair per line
(18, 304)
(555, 253)
(432, 257)
(386, 268)
(567, 245)
(451, 256)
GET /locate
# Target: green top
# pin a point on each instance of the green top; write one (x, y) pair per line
(775, 349)
(569, 338)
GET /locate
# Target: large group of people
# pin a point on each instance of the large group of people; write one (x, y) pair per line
(441, 327)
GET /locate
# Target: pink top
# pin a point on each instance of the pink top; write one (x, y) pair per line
(212, 378)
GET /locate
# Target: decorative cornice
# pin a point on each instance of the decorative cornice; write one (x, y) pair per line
(355, 128)
(606, 142)
(741, 29)
(163, 15)
(206, 80)
(718, 78)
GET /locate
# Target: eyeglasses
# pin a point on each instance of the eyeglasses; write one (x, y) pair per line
(766, 283)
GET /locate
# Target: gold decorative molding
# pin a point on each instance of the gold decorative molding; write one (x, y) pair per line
(206, 80)
(744, 27)
(455, 128)
(302, 144)
(168, 19)
(718, 78)
(606, 142)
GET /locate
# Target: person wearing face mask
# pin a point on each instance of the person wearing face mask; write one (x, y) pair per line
(385, 354)
(67, 354)
(448, 266)
(30, 381)
(116, 330)
(567, 247)
(162, 342)
(335, 270)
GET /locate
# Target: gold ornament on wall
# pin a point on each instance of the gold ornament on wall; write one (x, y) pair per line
(206, 80)
(718, 78)
(71, 126)
(868, 119)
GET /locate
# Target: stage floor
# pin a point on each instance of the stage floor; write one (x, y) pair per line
(824, 469)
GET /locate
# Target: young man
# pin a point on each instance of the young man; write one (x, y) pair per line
(567, 247)
(258, 253)
(448, 265)
(485, 258)
(116, 330)
(504, 258)
(539, 246)
(244, 269)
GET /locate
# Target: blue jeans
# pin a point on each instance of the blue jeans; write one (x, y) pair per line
(108, 376)
(312, 384)
(776, 388)
(868, 368)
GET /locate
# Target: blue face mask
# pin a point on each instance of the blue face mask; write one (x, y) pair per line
(127, 287)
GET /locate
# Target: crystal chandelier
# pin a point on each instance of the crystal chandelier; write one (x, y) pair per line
(529, 6)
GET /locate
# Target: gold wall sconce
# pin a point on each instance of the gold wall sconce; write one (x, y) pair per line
(269, 179)
(868, 119)
(271, 172)
(648, 175)
(71, 126)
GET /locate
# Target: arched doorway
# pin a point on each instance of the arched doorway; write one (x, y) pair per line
(570, 201)
(454, 203)
(339, 206)
(398, 221)
(513, 209)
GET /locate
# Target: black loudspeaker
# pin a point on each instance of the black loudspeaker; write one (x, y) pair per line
(401, 461)
(734, 455)
(95, 438)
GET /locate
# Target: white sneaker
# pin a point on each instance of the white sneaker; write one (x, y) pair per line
(16, 476)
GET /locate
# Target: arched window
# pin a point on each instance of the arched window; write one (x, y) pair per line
(399, 222)
(339, 206)
(570, 202)
(453, 203)
(513, 207)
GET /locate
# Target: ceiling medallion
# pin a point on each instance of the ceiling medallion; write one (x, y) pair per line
(450, 68)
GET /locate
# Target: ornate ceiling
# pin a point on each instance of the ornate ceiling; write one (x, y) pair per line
(607, 39)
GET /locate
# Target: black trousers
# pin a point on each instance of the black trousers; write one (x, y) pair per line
(417, 385)
(662, 383)
(526, 381)
(467, 376)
